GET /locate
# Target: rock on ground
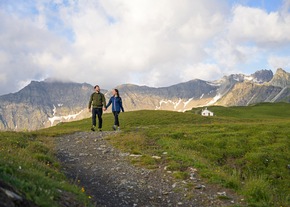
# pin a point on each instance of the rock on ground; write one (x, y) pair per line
(10, 197)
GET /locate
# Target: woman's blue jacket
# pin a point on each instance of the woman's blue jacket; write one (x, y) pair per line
(116, 104)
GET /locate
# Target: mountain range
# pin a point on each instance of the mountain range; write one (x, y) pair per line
(46, 103)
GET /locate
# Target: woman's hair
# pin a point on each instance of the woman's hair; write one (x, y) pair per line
(117, 91)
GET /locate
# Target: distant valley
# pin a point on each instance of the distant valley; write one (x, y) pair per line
(47, 103)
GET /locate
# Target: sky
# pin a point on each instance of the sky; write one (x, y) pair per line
(145, 42)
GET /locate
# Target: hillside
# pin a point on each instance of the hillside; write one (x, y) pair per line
(248, 152)
(259, 111)
(245, 149)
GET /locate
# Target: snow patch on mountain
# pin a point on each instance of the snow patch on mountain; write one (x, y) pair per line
(54, 110)
(252, 79)
(214, 83)
(187, 102)
(164, 104)
(63, 118)
(175, 104)
(248, 78)
(214, 100)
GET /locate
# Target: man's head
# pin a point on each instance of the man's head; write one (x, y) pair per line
(97, 88)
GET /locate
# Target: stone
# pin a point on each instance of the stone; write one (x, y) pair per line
(11, 194)
(221, 193)
(199, 186)
(134, 155)
(83, 154)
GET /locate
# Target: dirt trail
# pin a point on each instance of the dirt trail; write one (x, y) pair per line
(111, 180)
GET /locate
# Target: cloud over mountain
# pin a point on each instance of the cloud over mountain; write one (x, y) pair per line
(156, 43)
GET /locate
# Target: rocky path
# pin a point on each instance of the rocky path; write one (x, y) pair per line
(111, 180)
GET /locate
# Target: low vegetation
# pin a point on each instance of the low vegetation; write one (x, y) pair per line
(27, 162)
(243, 148)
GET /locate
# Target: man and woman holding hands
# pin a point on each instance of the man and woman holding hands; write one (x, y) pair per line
(97, 105)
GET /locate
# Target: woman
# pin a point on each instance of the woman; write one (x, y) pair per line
(117, 106)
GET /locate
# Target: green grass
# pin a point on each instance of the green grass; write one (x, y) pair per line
(243, 148)
(258, 111)
(27, 162)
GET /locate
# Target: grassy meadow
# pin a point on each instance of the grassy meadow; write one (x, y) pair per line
(246, 149)
(28, 162)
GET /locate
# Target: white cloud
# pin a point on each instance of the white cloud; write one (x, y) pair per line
(229, 54)
(152, 38)
(258, 26)
(21, 42)
(203, 71)
(3, 78)
(250, 36)
(157, 43)
(279, 62)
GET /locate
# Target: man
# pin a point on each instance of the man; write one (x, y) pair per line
(97, 103)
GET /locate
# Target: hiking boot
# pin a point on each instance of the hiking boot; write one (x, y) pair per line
(114, 127)
(100, 130)
(93, 128)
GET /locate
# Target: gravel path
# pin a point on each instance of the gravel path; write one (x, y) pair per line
(111, 180)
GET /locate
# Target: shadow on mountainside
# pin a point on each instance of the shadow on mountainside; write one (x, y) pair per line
(107, 175)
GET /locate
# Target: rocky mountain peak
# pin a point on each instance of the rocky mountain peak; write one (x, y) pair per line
(280, 70)
(281, 78)
(262, 76)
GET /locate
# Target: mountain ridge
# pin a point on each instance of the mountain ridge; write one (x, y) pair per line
(46, 103)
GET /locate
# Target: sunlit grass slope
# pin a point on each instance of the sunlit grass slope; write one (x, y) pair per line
(260, 111)
(243, 148)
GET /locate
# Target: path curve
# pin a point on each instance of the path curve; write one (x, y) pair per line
(111, 180)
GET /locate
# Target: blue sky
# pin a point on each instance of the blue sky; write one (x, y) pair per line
(145, 42)
(268, 5)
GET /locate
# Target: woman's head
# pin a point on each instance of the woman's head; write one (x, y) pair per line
(116, 92)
